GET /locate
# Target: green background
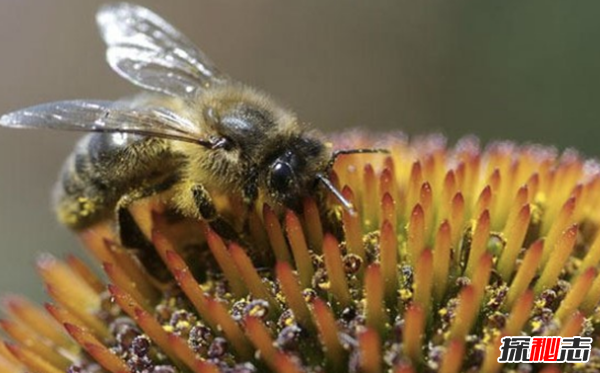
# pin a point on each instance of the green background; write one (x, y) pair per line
(520, 70)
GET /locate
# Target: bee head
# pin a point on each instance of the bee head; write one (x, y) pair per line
(291, 173)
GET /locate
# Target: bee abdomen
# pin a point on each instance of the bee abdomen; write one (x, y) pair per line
(105, 167)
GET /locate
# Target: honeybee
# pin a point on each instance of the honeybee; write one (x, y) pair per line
(194, 131)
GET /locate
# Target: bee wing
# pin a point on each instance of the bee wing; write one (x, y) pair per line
(149, 52)
(108, 116)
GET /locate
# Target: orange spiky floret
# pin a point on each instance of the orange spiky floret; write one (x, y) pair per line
(450, 249)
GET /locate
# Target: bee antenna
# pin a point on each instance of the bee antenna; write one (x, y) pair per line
(338, 195)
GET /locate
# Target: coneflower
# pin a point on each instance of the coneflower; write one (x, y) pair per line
(451, 249)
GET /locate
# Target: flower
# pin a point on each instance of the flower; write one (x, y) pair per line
(451, 249)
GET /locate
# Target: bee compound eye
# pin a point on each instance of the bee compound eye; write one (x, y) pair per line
(281, 176)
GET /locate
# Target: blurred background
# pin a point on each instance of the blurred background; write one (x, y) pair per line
(527, 71)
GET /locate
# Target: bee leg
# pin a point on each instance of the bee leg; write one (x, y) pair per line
(208, 212)
(130, 233)
(133, 238)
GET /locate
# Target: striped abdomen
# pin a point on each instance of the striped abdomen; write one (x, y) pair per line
(103, 168)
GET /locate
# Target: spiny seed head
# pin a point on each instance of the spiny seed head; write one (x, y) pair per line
(451, 248)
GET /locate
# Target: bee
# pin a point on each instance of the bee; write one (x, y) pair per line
(194, 132)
